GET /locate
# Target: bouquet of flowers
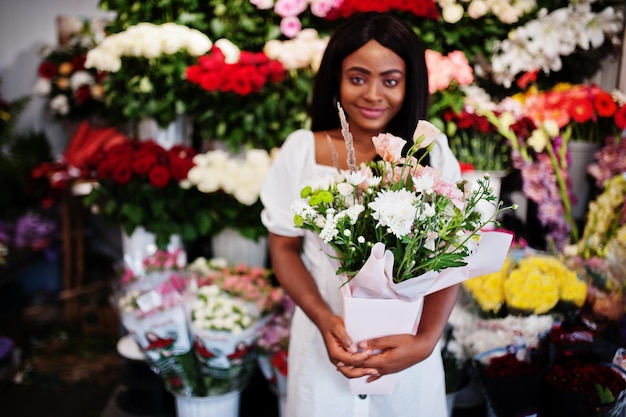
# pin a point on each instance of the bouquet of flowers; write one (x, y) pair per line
(72, 90)
(409, 210)
(197, 323)
(227, 307)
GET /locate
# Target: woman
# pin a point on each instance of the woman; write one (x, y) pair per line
(374, 66)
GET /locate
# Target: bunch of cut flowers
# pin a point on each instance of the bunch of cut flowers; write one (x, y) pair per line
(395, 205)
(227, 307)
(273, 345)
(536, 284)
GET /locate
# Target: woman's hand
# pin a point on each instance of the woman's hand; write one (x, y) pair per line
(342, 351)
(393, 354)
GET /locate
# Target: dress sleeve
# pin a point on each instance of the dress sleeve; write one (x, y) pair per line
(291, 167)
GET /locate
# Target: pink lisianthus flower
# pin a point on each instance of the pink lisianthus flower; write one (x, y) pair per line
(389, 147)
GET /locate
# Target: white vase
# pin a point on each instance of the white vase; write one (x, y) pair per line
(226, 405)
(230, 245)
(581, 156)
(176, 133)
(487, 209)
(141, 244)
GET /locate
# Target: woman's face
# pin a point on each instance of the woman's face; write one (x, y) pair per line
(372, 88)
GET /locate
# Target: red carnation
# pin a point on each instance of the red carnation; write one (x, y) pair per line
(159, 176)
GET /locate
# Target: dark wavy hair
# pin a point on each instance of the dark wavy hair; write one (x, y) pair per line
(391, 32)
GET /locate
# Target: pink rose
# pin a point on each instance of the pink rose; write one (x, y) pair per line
(290, 26)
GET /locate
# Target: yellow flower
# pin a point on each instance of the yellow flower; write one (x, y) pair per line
(487, 289)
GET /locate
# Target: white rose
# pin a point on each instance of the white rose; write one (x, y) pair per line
(60, 105)
(230, 50)
(477, 9)
(198, 43)
(452, 13)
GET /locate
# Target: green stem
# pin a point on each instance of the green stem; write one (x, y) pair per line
(567, 207)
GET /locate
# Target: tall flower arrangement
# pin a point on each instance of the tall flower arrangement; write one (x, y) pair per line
(138, 183)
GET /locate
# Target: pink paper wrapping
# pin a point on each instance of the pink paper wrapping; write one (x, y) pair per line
(375, 306)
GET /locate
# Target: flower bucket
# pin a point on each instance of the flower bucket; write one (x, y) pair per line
(176, 133)
(140, 244)
(582, 155)
(226, 405)
(487, 209)
(229, 244)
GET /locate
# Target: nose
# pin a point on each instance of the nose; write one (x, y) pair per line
(373, 92)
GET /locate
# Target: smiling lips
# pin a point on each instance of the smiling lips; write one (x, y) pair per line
(371, 113)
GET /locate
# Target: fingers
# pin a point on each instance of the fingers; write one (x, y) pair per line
(357, 372)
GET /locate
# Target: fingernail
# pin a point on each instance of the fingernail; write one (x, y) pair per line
(352, 348)
(340, 364)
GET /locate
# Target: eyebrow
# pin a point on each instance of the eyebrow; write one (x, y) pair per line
(366, 71)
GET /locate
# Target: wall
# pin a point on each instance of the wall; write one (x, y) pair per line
(26, 25)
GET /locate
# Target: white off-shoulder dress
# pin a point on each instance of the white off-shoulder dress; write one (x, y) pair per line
(315, 388)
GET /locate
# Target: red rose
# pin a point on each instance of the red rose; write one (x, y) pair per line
(122, 172)
(159, 176)
(82, 94)
(48, 70)
(78, 62)
(144, 162)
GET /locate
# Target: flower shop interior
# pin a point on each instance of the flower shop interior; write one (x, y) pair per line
(134, 140)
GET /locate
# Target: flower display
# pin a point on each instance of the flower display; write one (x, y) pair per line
(345, 8)
(72, 90)
(138, 183)
(232, 184)
(145, 65)
(540, 44)
(429, 224)
(533, 285)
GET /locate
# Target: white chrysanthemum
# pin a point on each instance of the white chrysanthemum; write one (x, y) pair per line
(60, 105)
(42, 87)
(81, 78)
(345, 189)
(395, 210)
(329, 231)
